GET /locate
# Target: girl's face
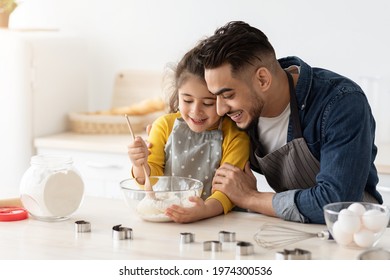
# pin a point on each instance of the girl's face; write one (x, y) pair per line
(197, 105)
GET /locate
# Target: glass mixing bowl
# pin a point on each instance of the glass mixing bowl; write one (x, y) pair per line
(166, 191)
(356, 224)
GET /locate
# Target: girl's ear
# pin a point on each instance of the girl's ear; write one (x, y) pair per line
(264, 77)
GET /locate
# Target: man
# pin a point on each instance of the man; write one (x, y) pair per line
(312, 130)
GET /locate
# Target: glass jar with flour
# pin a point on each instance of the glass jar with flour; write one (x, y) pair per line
(51, 189)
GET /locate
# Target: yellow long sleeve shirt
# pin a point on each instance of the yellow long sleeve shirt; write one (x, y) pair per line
(235, 149)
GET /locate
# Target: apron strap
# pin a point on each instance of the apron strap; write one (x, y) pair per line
(297, 130)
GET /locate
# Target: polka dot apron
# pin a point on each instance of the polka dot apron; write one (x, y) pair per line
(193, 154)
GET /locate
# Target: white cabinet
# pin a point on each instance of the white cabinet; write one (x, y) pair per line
(101, 159)
(42, 78)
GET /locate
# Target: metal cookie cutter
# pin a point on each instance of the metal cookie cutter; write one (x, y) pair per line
(296, 254)
(227, 236)
(244, 248)
(82, 226)
(213, 245)
(120, 233)
(375, 254)
(187, 237)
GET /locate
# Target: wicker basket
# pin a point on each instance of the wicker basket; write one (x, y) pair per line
(104, 124)
(131, 87)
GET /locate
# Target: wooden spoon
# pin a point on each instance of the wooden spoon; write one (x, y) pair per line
(147, 185)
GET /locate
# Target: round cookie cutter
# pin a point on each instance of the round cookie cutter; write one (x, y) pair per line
(187, 237)
(82, 226)
(120, 233)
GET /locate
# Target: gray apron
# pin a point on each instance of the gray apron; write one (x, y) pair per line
(292, 166)
(192, 154)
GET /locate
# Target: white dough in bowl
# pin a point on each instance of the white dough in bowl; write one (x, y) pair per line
(153, 206)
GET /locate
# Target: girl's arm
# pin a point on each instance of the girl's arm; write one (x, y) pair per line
(201, 210)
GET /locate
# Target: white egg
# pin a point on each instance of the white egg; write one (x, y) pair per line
(374, 220)
(364, 238)
(358, 208)
(349, 221)
(341, 237)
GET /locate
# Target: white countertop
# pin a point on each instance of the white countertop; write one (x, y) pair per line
(33, 239)
(109, 143)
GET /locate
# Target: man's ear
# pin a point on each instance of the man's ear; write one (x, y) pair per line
(264, 77)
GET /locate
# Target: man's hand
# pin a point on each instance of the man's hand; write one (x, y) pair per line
(148, 129)
(238, 185)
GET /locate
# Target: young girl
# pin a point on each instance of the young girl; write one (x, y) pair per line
(191, 141)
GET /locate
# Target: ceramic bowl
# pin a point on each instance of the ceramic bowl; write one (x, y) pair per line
(166, 191)
(356, 224)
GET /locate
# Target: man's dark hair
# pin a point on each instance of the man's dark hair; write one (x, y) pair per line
(238, 44)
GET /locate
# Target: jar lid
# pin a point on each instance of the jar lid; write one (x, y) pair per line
(12, 213)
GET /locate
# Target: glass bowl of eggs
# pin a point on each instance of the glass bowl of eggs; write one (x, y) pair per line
(356, 224)
(150, 205)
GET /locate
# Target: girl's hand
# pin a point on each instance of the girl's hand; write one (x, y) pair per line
(188, 214)
(138, 152)
(201, 210)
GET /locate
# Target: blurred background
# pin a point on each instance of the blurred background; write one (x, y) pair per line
(349, 37)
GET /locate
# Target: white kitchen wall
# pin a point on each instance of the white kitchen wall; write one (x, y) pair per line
(348, 36)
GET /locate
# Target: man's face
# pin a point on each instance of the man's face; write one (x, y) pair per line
(236, 96)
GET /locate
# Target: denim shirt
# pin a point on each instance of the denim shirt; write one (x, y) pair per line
(339, 129)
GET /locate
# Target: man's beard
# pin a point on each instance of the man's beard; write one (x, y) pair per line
(254, 115)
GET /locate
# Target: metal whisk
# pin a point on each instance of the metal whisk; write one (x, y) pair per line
(272, 236)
